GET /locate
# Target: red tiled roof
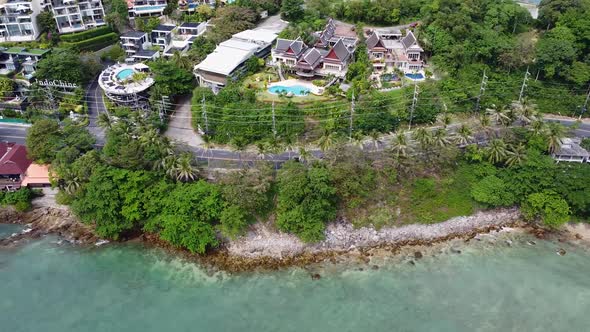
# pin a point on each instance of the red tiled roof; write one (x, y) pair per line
(14, 160)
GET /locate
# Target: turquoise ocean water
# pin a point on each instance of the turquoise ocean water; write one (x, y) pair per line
(489, 286)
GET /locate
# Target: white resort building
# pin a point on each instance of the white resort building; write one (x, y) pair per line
(127, 85)
(227, 61)
(389, 49)
(146, 8)
(18, 20)
(76, 15)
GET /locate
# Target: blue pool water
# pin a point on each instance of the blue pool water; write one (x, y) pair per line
(415, 76)
(124, 74)
(297, 90)
(148, 8)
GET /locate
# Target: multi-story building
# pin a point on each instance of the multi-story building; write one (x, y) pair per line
(161, 36)
(136, 45)
(18, 20)
(145, 8)
(331, 55)
(76, 15)
(388, 50)
(226, 63)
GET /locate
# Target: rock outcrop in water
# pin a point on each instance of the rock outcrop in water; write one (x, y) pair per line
(46, 220)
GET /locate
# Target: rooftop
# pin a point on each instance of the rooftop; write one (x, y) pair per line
(164, 28)
(190, 25)
(571, 147)
(14, 159)
(133, 34)
(259, 35)
(224, 60)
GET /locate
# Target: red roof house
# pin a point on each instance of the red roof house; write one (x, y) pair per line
(13, 164)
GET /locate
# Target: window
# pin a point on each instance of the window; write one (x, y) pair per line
(331, 67)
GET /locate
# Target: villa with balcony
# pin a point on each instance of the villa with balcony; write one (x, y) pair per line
(389, 50)
(77, 15)
(330, 56)
(146, 8)
(20, 59)
(18, 20)
(191, 5)
(161, 36)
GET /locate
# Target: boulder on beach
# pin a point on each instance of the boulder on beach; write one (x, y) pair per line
(316, 276)
(418, 255)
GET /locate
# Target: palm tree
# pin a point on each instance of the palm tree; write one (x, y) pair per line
(525, 111)
(538, 127)
(184, 169)
(516, 155)
(374, 135)
(424, 137)
(485, 124)
(357, 140)
(463, 136)
(400, 145)
(304, 155)
(555, 135)
(440, 138)
(104, 120)
(498, 115)
(262, 150)
(496, 151)
(445, 119)
(327, 141)
(181, 61)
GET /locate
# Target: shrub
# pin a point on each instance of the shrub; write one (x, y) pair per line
(93, 44)
(88, 34)
(547, 206)
(492, 191)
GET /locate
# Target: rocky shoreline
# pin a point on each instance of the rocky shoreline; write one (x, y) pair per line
(265, 249)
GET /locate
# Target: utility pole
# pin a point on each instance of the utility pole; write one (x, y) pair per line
(204, 112)
(585, 107)
(351, 116)
(414, 102)
(482, 90)
(526, 78)
(274, 121)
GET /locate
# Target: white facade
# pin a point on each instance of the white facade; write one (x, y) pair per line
(146, 8)
(77, 15)
(18, 20)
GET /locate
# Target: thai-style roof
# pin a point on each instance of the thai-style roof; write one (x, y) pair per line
(14, 159)
(409, 41)
(311, 58)
(374, 41)
(294, 47)
(339, 52)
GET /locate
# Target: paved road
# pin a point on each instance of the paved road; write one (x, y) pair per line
(180, 128)
(234, 159)
(583, 129)
(95, 108)
(13, 133)
(274, 23)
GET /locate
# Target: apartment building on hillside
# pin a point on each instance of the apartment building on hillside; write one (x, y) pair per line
(18, 20)
(76, 15)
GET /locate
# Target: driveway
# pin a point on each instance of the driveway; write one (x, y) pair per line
(274, 23)
(180, 128)
(95, 102)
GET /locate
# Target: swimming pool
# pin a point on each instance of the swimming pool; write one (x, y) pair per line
(148, 8)
(417, 76)
(296, 90)
(124, 74)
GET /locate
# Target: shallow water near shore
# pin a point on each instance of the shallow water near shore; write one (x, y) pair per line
(489, 286)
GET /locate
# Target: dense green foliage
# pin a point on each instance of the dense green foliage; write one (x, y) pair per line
(171, 80)
(63, 65)
(45, 140)
(549, 207)
(306, 201)
(229, 20)
(7, 87)
(20, 199)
